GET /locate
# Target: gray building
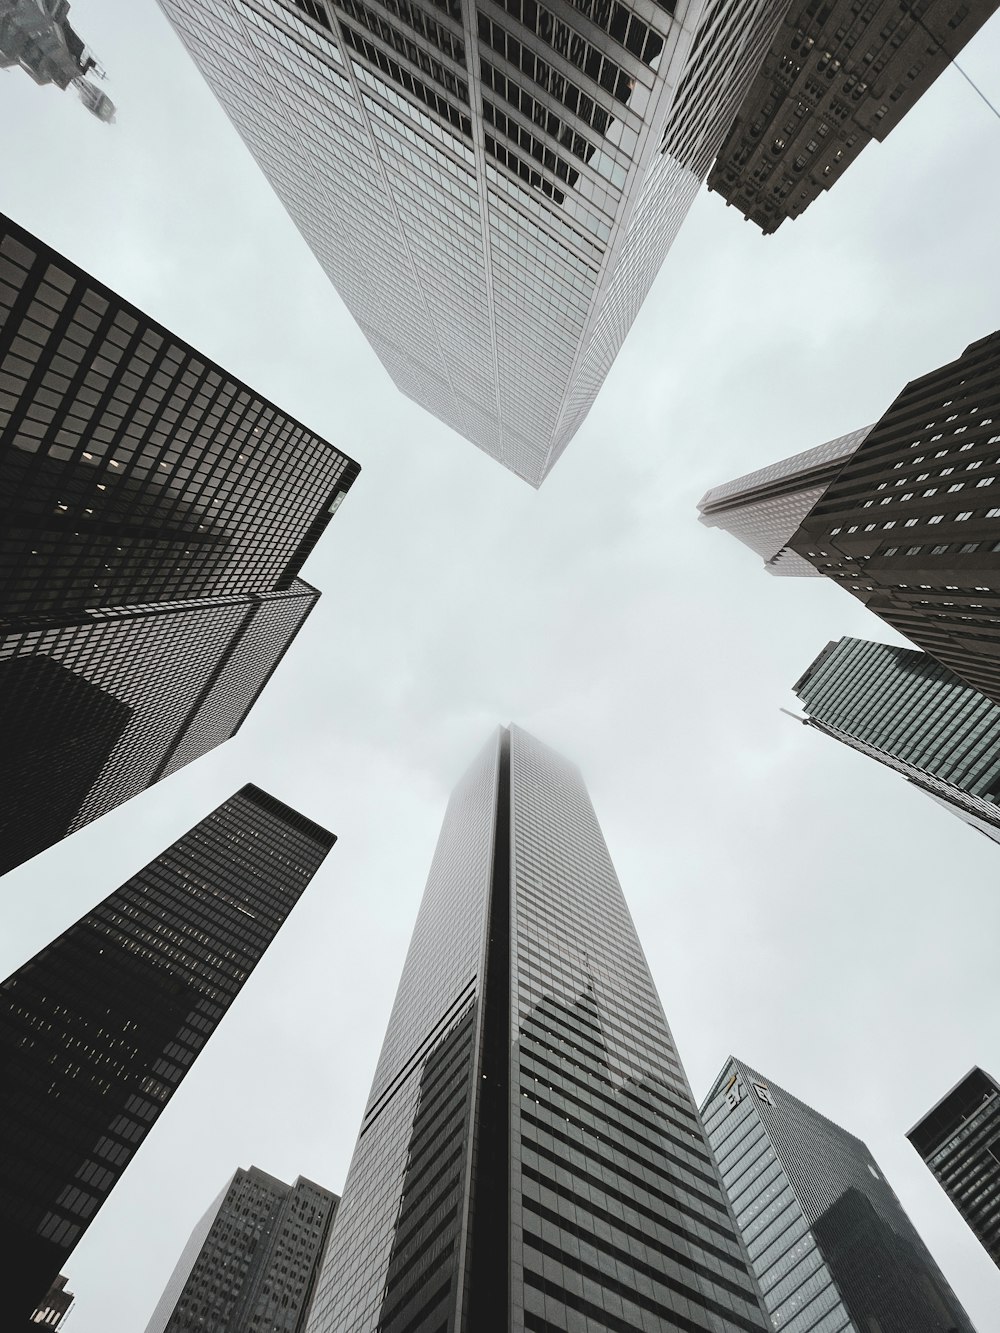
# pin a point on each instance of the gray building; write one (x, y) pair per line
(491, 185)
(837, 76)
(37, 36)
(830, 1244)
(765, 508)
(250, 1265)
(99, 1029)
(901, 707)
(156, 513)
(959, 1139)
(530, 1156)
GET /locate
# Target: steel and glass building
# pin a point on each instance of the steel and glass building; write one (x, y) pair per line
(830, 1244)
(491, 185)
(838, 75)
(250, 1265)
(531, 1155)
(764, 509)
(55, 1307)
(904, 709)
(959, 1140)
(156, 513)
(99, 1028)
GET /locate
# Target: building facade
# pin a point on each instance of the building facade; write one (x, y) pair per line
(531, 1155)
(904, 709)
(830, 1244)
(99, 1028)
(959, 1140)
(837, 75)
(490, 185)
(38, 36)
(156, 513)
(55, 1307)
(250, 1265)
(764, 509)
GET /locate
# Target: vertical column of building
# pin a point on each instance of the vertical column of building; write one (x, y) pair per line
(98, 1030)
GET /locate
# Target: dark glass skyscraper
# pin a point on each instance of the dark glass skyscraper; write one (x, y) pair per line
(531, 1155)
(99, 1028)
(493, 185)
(251, 1263)
(154, 518)
(959, 1139)
(830, 1244)
(904, 709)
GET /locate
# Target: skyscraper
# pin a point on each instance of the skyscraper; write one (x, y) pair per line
(250, 1265)
(830, 1244)
(99, 1028)
(491, 187)
(155, 516)
(910, 522)
(910, 713)
(959, 1139)
(837, 76)
(530, 1156)
(38, 36)
(764, 509)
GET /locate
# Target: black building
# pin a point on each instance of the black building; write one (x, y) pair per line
(911, 524)
(830, 1244)
(531, 1156)
(99, 1028)
(959, 1139)
(251, 1262)
(155, 514)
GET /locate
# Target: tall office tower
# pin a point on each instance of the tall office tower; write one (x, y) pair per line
(37, 36)
(959, 1139)
(531, 1156)
(99, 1028)
(55, 1307)
(830, 1244)
(490, 185)
(155, 516)
(764, 509)
(910, 713)
(251, 1263)
(837, 76)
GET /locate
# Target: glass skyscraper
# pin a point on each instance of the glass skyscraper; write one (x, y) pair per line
(904, 709)
(491, 185)
(959, 1139)
(250, 1265)
(531, 1156)
(156, 513)
(99, 1028)
(830, 1244)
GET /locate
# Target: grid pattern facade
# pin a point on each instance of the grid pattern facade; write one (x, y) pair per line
(911, 525)
(486, 183)
(134, 470)
(96, 710)
(830, 1244)
(98, 1029)
(764, 509)
(959, 1139)
(251, 1262)
(839, 74)
(906, 710)
(531, 1156)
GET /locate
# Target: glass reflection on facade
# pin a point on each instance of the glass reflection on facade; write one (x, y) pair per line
(250, 1264)
(901, 707)
(491, 185)
(99, 1028)
(830, 1244)
(530, 1156)
(959, 1139)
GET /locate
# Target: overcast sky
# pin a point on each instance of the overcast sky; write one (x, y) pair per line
(800, 906)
